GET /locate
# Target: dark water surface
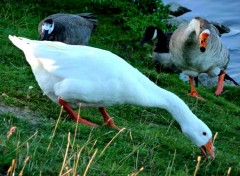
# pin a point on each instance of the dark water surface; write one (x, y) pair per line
(226, 12)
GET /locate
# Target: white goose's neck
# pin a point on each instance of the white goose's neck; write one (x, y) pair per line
(179, 110)
(167, 100)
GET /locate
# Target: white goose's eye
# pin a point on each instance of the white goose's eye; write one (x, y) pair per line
(204, 133)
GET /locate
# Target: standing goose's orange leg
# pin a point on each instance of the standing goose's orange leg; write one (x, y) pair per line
(220, 83)
(193, 91)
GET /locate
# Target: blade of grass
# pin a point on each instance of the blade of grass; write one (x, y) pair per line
(92, 146)
(77, 160)
(111, 141)
(55, 128)
(215, 136)
(136, 173)
(171, 164)
(197, 166)
(66, 154)
(25, 142)
(66, 173)
(12, 168)
(89, 163)
(229, 171)
(25, 163)
(76, 127)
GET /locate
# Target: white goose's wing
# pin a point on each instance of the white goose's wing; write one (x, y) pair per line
(88, 74)
(74, 61)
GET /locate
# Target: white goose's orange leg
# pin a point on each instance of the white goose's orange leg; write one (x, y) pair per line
(107, 119)
(193, 91)
(74, 115)
(220, 83)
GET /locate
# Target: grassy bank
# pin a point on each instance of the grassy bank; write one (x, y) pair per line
(45, 142)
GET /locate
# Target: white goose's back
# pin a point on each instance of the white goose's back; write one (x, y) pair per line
(83, 74)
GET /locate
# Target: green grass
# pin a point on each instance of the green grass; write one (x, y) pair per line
(152, 140)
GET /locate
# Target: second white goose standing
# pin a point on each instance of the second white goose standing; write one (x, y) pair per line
(74, 75)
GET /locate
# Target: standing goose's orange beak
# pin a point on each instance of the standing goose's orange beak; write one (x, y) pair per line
(208, 147)
(203, 38)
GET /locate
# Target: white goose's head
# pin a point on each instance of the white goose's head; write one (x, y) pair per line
(47, 29)
(200, 135)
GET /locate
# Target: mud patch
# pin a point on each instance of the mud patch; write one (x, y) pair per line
(22, 113)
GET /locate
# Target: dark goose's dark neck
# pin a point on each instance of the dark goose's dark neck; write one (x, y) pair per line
(162, 46)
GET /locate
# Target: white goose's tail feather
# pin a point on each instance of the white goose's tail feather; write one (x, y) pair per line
(21, 43)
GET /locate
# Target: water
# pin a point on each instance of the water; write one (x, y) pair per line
(223, 11)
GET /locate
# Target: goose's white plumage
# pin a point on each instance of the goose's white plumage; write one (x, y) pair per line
(197, 48)
(99, 78)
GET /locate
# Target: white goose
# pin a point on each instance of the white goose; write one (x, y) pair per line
(75, 75)
(196, 48)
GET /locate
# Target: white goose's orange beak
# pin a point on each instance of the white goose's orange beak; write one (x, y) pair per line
(208, 147)
(203, 38)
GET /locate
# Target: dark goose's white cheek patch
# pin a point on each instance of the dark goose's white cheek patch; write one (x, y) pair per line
(48, 27)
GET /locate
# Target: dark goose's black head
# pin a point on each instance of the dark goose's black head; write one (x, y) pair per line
(47, 29)
(162, 45)
(150, 34)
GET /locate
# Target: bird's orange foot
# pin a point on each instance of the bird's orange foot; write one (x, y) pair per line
(107, 119)
(112, 125)
(218, 91)
(79, 119)
(194, 93)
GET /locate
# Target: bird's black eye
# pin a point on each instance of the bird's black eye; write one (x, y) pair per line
(204, 133)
